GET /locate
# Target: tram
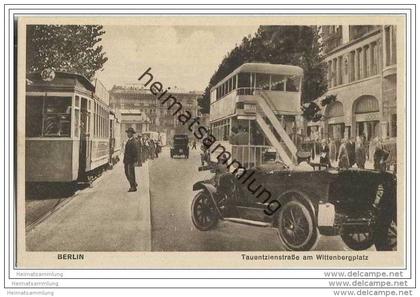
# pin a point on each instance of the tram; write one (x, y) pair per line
(70, 129)
(255, 113)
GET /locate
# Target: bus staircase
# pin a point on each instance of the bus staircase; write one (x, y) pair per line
(274, 130)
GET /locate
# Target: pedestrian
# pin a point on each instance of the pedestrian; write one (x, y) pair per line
(130, 159)
(145, 149)
(360, 153)
(139, 150)
(351, 151)
(194, 145)
(151, 149)
(343, 158)
(156, 148)
(324, 154)
(380, 157)
(333, 150)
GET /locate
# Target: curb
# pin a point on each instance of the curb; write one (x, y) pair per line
(145, 222)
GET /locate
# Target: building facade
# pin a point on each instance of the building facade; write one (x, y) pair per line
(137, 97)
(362, 73)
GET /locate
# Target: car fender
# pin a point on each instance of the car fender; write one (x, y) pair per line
(210, 189)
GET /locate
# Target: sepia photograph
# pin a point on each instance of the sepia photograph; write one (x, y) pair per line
(250, 139)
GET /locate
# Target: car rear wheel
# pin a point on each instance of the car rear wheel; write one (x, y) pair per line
(357, 238)
(296, 227)
(203, 212)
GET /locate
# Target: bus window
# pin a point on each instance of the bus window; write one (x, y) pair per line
(292, 84)
(263, 81)
(278, 82)
(244, 80)
(234, 82)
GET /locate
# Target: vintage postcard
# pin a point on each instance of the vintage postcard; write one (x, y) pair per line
(211, 141)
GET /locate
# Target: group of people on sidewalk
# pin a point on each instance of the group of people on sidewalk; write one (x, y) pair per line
(354, 152)
(137, 150)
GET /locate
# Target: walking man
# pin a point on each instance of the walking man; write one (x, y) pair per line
(130, 159)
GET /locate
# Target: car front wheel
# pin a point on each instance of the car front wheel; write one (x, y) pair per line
(203, 213)
(296, 227)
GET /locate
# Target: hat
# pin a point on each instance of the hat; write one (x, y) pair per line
(130, 130)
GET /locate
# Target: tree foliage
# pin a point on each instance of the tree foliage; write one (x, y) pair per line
(293, 45)
(70, 48)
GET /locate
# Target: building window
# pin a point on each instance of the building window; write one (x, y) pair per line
(374, 59)
(340, 70)
(352, 67)
(329, 73)
(390, 45)
(359, 74)
(365, 61)
(334, 73)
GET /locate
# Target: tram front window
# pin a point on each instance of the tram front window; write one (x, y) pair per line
(48, 117)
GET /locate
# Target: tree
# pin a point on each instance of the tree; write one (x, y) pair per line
(69, 48)
(293, 45)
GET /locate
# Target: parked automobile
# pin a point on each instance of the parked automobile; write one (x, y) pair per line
(180, 146)
(359, 205)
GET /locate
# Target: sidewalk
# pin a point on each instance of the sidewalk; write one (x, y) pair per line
(103, 218)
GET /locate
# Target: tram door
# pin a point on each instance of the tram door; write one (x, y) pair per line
(84, 151)
(111, 140)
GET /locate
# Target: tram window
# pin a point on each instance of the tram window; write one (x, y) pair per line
(57, 116)
(263, 81)
(96, 119)
(234, 82)
(34, 116)
(277, 82)
(292, 84)
(76, 101)
(76, 122)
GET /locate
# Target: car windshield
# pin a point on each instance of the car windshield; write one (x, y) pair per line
(180, 139)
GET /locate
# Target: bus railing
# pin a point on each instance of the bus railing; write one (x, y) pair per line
(252, 155)
(247, 91)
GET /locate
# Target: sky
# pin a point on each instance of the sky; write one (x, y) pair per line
(180, 56)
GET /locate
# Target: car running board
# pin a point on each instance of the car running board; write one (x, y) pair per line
(248, 222)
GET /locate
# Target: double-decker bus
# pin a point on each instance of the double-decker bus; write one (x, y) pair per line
(255, 110)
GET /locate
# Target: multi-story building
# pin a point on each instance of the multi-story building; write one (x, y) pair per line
(362, 73)
(137, 97)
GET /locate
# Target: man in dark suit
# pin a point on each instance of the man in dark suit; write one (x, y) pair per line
(130, 159)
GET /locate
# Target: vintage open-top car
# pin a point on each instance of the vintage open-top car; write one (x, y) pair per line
(359, 205)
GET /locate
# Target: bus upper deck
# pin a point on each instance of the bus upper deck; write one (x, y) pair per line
(236, 93)
(255, 109)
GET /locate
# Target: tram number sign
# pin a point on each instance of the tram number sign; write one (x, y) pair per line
(47, 74)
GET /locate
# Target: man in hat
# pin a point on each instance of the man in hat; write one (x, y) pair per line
(130, 159)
